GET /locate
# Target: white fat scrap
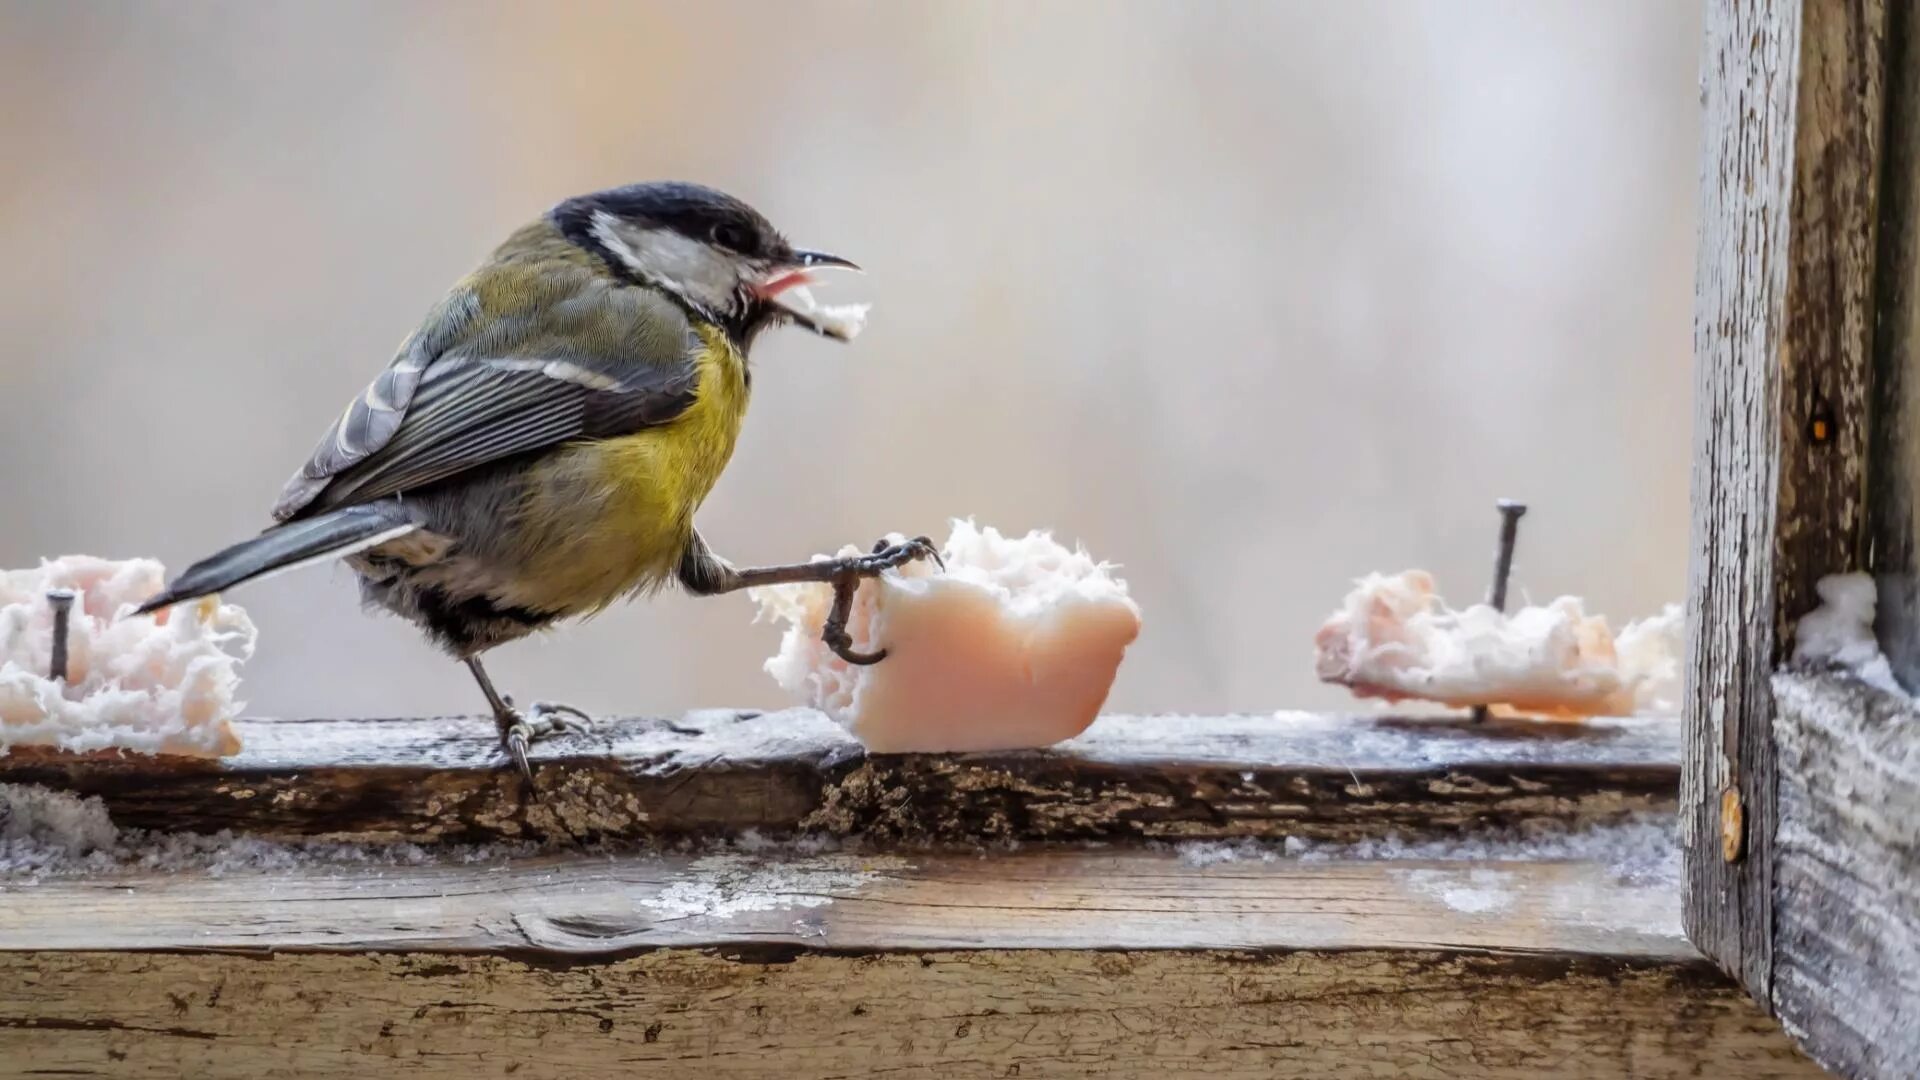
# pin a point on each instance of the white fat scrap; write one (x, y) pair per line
(1839, 633)
(150, 684)
(1648, 652)
(1393, 638)
(842, 321)
(1014, 645)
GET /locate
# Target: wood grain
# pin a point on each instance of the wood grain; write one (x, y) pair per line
(1029, 963)
(972, 1013)
(1846, 949)
(723, 772)
(1793, 96)
(584, 906)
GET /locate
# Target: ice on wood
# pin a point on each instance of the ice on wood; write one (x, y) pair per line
(1394, 638)
(1014, 645)
(152, 684)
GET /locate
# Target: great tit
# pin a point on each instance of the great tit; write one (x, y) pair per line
(538, 447)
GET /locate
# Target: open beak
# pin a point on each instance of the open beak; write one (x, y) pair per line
(815, 260)
(786, 288)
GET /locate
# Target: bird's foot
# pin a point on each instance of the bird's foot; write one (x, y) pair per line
(887, 556)
(848, 574)
(520, 730)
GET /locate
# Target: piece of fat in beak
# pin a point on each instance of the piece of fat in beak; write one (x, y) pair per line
(842, 321)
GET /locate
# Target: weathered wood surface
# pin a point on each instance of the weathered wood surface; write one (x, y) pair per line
(720, 772)
(1893, 460)
(1846, 947)
(974, 1013)
(1783, 320)
(569, 905)
(1032, 963)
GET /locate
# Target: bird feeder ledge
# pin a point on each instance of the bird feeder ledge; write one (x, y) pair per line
(1044, 910)
(718, 773)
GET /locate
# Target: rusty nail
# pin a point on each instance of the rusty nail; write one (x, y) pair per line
(1510, 515)
(62, 603)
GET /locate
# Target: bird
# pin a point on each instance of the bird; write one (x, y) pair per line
(537, 449)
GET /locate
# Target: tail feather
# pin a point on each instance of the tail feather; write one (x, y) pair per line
(285, 547)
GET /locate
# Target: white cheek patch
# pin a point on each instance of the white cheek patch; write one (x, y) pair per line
(697, 273)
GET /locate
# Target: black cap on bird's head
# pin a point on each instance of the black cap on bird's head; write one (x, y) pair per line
(715, 254)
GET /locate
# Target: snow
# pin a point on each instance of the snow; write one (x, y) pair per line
(1839, 633)
(150, 684)
(50, 834)
(722, 886)
(1642, 848)
(1359, 742)
(1476, 892)
(1394, 638)
(1014, 645)
(56, 834)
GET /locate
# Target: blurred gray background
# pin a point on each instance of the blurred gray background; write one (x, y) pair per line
(1250, 298)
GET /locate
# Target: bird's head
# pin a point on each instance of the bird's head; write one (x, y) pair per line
(715, 254)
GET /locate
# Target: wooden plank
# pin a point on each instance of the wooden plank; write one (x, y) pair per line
(1060, 898)
(1846, 949)
(1026, 963)
(1783, 322)
(973, 1013)
(722, 772)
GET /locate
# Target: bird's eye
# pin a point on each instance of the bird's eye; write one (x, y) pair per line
(730, 236)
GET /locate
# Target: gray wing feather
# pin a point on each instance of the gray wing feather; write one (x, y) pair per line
(461, 395)
(375, 416)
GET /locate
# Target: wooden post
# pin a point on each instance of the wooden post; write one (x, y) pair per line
(1800, 792)
(1893, 464)
(1793, 95)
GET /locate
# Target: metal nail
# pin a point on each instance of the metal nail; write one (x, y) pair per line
(62, 602)
(1510, 514)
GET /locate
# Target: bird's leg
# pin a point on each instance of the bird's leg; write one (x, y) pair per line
(707, 574)
(519, 730)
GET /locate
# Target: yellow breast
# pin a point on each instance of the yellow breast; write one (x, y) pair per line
(612, 516)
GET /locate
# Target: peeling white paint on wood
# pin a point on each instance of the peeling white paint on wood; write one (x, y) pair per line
(1783, 326)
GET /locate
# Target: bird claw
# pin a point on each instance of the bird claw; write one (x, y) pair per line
(519, 731)
(551, 712)
(515, 739)
(885, 556)
(842, 645)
